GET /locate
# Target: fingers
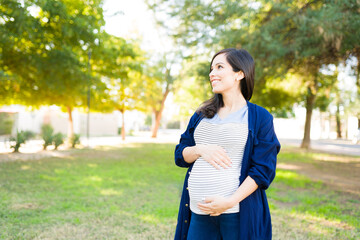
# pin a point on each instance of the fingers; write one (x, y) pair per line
(207, 206)
(208, 209)
(222, 155)
(220, 158)
(215, 165)
(216, 156)
(204, 207)
(215, 214)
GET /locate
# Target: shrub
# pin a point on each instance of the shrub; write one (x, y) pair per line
(58, 139)
(173, 125)
(6, 123)
(20, 138)
(75, 139)
(47, 134)
(28, 134)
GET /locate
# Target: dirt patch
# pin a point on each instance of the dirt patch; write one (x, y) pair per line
(19, 206)
(7, 157)
(342, 176)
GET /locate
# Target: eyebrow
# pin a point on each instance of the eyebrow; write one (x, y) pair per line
(218, 63)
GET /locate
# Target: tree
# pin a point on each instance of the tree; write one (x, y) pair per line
(158, 83)
(42, 50)
(286, 38)
(118, 63)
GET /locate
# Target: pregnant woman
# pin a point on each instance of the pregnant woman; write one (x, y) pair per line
(230, 150)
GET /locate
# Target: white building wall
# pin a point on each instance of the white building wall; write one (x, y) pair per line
(100, 124)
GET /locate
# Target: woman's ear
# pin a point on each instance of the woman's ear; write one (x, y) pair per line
(240, 75)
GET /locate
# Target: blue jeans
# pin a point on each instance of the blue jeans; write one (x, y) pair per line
(225, 227)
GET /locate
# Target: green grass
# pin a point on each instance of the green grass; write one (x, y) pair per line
(133, 192)
(126, 193)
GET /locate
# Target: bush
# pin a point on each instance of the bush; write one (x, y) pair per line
(20, 138)
(173, 125)
(75, 140)
(58, 139)
(47, 134)
(28, 134)
(6, 123)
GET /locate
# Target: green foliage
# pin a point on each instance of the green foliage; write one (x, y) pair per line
(6, 123)
(75, 140)
(45, 54)
(58, 139)
(157, 82)
(47, 134)
(328, 85)
(118, 63)
(20, 138)
(148, 120)
(193, 87)
(286, 38)
(52, 36)
(173, 125)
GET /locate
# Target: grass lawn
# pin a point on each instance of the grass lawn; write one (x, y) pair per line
(133, 192)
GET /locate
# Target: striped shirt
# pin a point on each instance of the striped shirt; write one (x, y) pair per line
(205, 180)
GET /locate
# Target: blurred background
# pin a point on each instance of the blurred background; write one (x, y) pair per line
(104, 68)
(119, 80)
(109, 68)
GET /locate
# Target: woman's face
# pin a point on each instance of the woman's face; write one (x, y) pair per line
(222, 77)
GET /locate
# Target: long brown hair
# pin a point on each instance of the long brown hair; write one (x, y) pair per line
(240, 60)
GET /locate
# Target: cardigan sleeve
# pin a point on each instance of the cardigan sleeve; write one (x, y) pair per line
(264, 155)
(186, 140)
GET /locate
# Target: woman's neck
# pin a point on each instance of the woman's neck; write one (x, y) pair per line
(233, 101)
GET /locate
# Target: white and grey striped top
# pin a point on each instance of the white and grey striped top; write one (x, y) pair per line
(231, 133)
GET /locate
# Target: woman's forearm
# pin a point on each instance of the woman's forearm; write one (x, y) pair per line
(245, 189)
(190, 154)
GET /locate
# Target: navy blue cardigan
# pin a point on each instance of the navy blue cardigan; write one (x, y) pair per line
(259, 162)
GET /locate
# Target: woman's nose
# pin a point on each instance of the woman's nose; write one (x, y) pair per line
(211, 73)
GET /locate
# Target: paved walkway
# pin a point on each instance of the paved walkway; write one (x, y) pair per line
(172, 136)
(164, 136)
(345, 147)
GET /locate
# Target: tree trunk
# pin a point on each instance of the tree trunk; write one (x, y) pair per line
(158, 114)
(122, 124)
(358, 83)
(338, 121)
(156, 123)
(310, 99)
(70, 124)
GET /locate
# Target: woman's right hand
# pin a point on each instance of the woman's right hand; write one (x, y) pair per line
(215, 155)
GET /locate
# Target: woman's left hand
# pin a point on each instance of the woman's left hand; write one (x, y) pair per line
(215, 205)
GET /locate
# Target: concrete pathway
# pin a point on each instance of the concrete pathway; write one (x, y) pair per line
(345, 147)
(172, 136)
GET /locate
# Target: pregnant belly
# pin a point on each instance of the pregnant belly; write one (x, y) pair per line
(205, 180)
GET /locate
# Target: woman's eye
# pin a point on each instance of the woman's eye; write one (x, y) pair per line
(220, 66)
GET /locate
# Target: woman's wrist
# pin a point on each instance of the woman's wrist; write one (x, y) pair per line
(233, 201)
(199, 150)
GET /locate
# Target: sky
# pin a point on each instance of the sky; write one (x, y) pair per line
(135, 21)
